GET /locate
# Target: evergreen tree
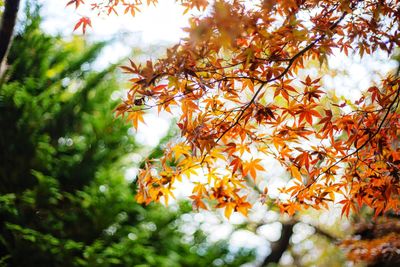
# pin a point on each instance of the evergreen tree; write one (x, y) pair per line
(63, 197)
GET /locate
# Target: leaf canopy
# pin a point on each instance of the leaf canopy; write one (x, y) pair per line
(236, 82)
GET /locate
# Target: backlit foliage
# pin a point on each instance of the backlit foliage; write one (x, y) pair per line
(234, 84)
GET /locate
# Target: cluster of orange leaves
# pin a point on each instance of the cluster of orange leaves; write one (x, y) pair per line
(235, 83)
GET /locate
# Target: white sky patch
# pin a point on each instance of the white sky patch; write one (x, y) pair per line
(271, 231)
(351, 75)
(154, 128)
(131, 173)
(250, 240)
(154, 24)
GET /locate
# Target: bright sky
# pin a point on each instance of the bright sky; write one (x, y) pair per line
(152, 25)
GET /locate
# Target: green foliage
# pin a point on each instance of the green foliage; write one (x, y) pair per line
(63, 197)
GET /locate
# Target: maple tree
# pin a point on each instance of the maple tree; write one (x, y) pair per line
(235, 83)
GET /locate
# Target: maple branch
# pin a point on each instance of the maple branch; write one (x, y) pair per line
(361, 146)
(291, 62)
(214, 68)
(7, 27)
(263, 83)
(148, 107)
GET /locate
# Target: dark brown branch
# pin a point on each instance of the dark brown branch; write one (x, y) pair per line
(7, 27)
(279, 247)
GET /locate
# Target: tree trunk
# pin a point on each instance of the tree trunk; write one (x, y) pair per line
(7, 28)
(279, 247)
